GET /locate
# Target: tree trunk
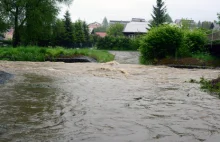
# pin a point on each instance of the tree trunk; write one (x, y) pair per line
(16, 36)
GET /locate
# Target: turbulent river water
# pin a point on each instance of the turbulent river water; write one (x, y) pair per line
(60, 102)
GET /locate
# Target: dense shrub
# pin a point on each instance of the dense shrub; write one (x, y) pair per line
(170, 41)
(195, 40)
(118, 43)
(160, 42)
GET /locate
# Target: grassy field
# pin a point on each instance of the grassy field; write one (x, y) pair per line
(40, 54)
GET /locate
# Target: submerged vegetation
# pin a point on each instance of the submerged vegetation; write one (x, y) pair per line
(212, 86)
(42, 54)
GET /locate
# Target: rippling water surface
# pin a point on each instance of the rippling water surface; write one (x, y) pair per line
(106, 102)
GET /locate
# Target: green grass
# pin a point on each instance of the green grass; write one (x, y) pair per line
(204, 56)
(41, 54)
(212, 86)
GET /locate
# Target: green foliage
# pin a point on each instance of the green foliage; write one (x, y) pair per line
(159, 14)
(6, 42)
(160, 42)
(212, 86)
(186, 24)
(117, 43)
(172, 42)
(78, 32)
(195, 40)
(206, 25)
(204, 56)
(31, 19)
(58, 33)
(115, 30)
(85, 29)
(42, 54)
(100, 29)
(105, 22)
(68, 34)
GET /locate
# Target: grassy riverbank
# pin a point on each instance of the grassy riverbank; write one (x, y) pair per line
(40, 54)
(199, 59)
(212, 86)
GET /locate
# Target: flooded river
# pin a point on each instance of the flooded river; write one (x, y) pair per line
(58, 102)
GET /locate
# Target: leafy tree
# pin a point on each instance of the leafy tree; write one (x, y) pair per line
(206, 25)
(105, 22)
(159, 14)
(58, 32)
(115, 30)
(186, 24)
(29, 13)
(168, 18)
(3, 22)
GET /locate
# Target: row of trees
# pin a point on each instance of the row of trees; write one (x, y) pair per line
(31, 19)
(68, 34)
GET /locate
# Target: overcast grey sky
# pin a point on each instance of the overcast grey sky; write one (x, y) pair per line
(96, 10)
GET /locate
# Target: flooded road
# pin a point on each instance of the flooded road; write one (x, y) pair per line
(109, 102)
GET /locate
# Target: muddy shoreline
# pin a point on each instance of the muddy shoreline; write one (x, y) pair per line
(106, 102)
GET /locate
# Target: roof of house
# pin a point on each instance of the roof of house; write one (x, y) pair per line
(95, 23)
(101, 34)
(136, 27)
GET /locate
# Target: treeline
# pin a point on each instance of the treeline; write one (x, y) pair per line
(68, 34)
(32, 20)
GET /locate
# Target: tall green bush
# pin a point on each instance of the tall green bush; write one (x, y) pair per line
(160, 42)
(195, 40)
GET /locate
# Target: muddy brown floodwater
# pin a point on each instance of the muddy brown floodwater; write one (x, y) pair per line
(59, 102)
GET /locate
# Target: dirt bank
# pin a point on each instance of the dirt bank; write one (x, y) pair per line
(106, 102)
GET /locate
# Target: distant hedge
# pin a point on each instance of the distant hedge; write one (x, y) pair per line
(118, 43)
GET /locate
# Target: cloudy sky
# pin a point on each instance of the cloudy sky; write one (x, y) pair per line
(96, 10)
